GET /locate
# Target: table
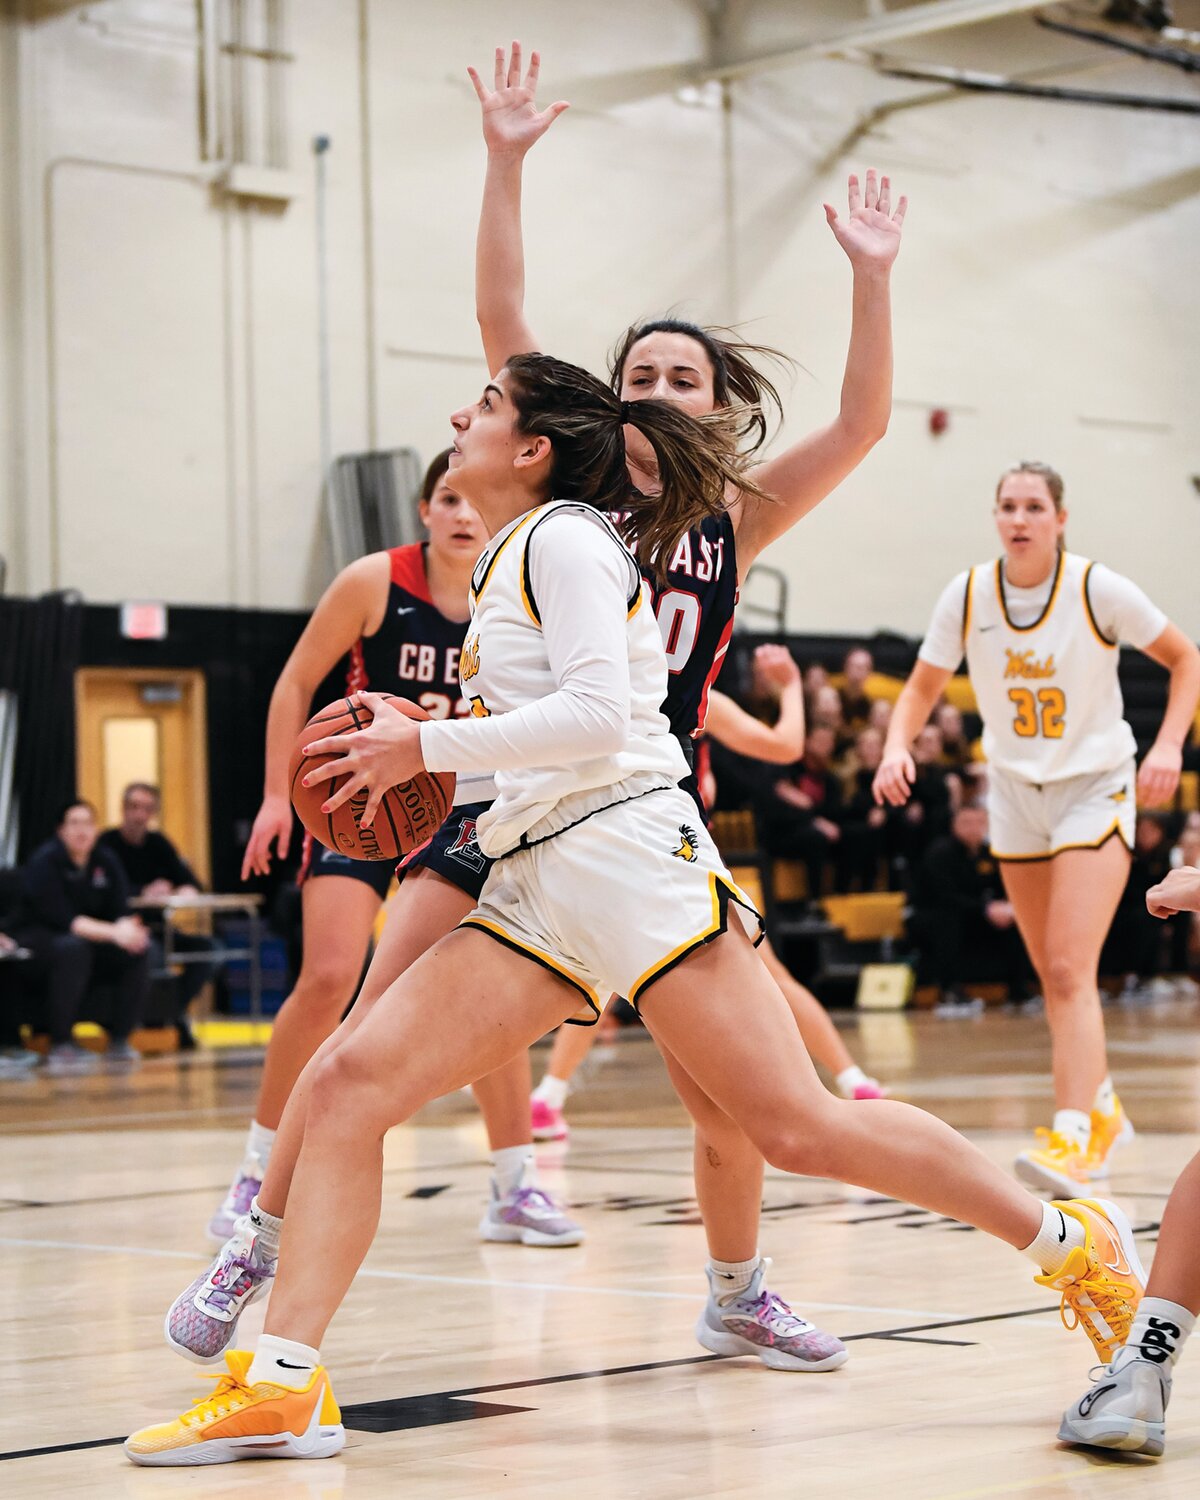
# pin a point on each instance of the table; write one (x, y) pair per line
(247, 903)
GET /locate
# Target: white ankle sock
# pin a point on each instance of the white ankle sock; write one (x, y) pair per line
(1106, 1097)
(1075, 1124)
(733, 1277)
(267, 1228)
(552, 1091)
(849, 1079)
(513, 1168)
(259, 1141)
(282, 1362)
(1160, 1330)
(1054, 1241)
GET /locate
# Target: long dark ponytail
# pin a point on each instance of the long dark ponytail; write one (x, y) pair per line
(697, 457)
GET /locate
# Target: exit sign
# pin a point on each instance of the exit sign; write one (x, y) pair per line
(143, 620)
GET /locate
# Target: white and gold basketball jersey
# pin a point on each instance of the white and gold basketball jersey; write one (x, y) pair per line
(506, 665)
(1047, 691)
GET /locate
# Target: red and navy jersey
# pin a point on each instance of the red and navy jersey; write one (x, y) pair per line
(694, 609)
(414, 653)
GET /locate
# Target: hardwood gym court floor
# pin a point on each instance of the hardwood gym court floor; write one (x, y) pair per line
(474, 1370)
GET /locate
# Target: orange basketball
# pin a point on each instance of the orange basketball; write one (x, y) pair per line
(409, 814)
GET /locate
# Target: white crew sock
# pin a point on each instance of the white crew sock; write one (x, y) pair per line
(552, 1091)
(1160, 1330)
(282, 1362)
(1059, 1235)
(732, 1277)
(1075, 1124)
(513, 1168)
(1106, 1097)
(849, 1079)
(259, 1141)
(267, 1228)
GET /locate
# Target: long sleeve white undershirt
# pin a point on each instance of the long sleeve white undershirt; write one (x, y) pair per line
(581, 582)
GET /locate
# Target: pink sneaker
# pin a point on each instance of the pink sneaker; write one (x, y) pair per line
(872, 1089)
(548, 1124)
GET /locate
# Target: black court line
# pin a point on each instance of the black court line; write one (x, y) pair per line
(11, 1205)
(436, 1407)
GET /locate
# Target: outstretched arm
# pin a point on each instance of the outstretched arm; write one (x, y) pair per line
(346, 611)
(805, 473)
(511, 124)
(780, 743)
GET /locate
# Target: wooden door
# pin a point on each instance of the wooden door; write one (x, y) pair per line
(146, 724)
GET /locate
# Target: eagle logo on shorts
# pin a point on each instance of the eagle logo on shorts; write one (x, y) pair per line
(687, 844)
(1120, 796)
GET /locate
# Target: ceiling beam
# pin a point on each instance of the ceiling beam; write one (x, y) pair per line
(916, 20)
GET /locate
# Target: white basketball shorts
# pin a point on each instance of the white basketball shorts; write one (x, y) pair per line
(615, 902)
(1028, 822)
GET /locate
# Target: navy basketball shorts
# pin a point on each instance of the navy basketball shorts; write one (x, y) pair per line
(453, 852)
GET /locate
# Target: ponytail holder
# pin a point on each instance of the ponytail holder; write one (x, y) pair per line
(625, 411)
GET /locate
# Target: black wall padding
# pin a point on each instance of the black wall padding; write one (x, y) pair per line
(40, 642)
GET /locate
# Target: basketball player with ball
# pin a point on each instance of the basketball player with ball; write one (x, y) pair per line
(604, 882)
(399, 617)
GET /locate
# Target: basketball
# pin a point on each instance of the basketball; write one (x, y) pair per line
(409, 814)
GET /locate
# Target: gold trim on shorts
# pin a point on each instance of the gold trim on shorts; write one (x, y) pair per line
(1030, 859)
(723, 892)
(502, 935)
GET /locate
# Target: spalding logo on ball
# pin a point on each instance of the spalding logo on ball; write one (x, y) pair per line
(409, 814)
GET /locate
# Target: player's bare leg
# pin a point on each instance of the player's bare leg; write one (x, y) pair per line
(458, 1013)
(821, 1036)
(568, 1051)
(338, 915)
(1064, 907)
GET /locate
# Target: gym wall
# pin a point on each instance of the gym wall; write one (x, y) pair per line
(159, 380)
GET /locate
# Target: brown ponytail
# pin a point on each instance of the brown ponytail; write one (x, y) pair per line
(697, 457)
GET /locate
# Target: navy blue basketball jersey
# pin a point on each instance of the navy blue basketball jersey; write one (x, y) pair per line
(414, 653)
(694, 609)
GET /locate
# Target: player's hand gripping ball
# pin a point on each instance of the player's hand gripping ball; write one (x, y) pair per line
(406, 814)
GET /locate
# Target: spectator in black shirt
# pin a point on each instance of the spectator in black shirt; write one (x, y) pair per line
(962, 923)
(935, 793)
(799, 813)
(76, 923)
(155, 868)
(150, 860)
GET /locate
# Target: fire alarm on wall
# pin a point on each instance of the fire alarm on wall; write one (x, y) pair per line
(939, 420)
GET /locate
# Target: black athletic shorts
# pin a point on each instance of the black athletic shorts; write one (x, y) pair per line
(318, 860)
(454, 853)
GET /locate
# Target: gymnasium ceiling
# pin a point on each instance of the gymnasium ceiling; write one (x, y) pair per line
(942, 46)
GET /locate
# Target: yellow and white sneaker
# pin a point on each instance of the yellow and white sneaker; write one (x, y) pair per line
(1058, 1165)
(265, 1420)
(1108, 1132)
(1102, 1281)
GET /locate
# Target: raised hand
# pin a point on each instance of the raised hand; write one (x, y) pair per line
(512, 121)
(870, 234)
(776, 667)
